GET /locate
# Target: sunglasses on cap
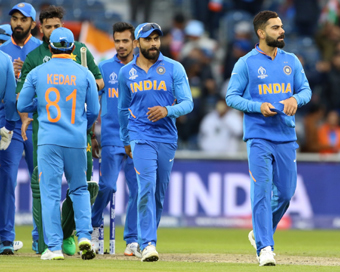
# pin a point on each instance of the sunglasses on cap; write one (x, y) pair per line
(147, 27)
(3, 32)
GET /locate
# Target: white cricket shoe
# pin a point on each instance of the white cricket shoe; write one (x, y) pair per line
(95, 239)
(85, 246)
(251, 238)
(132, 249)
(150, 254)
(17, 245)
(266, 257)
(52, 255)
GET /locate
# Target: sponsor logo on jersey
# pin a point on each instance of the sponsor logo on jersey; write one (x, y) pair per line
(113, 78)
(147, 85)
(287, 70)
(262, 73)
(160, 70)
(46, 59)
(133, 74)
(274, 88)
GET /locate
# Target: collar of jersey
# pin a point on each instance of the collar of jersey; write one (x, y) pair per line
(160, 58)
(28, 38)
(61, 56)
(263, 53)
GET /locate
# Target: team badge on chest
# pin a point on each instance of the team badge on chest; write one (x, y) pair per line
(133, 74)
(262, 73)
(113, 78)
(160, 70)
(287, 70)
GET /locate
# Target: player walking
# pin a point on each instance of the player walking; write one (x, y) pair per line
(268, 85)
(62, 88)
(20, 44)
(113, 153)
(149, 88)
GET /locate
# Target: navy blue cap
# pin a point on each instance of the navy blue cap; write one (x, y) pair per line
(288, 120)
(25, 8)
(62, 39)
(144, 30)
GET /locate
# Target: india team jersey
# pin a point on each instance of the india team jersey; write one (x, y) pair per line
(15, 51)
(109, 98)
(255, 79)
(6, 91)
(62, 88)
(165, 84)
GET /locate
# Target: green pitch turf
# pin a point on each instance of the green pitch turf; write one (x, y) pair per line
(189, 249)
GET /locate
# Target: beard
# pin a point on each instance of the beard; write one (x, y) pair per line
(21, 35)
(148, 55)
(275, 43)
(124, 55)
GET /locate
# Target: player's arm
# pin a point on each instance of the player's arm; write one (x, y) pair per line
(94, 69)
(182, 93)
(236, 87)
(92, 101)
(27, 94)
(124, 101)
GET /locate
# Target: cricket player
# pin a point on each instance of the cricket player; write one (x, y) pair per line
(113, 152)
(5, 33)
(268, 85)
(20, 44)
(50, 19)
(7, 95)
(153, 92)
(62, 88)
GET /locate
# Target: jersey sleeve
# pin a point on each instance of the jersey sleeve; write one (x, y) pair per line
(302, 91)
(100, 67)
(182, 93)
(26, 68)
(92, 101)
(124, 101)
(92, 65)
(27, 94)
(11, 114)
(236, 88)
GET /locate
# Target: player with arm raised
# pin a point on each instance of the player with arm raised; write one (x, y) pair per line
(62, 88)
(268, 85)
(149, 88)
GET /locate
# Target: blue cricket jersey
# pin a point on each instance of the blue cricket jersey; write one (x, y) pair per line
(15, 51)
(165, 84)
(255, 79)
(109, 98)
(62, 87)
(7, 91)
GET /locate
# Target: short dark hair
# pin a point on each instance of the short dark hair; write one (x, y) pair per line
(261, 19)
(57, 51)
(122, 26)
(51, 12)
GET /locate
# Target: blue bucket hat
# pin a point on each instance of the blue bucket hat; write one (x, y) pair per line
(25, 8)
(62, 39)
(144, 30)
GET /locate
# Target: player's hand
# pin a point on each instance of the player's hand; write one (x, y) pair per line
(95, 148)
(25, 123)
(265, 109)
(17, 65)
(6, 137)
(156, 113)
(290, 106)
(128, 150)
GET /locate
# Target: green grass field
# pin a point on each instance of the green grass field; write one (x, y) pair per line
(195, 249)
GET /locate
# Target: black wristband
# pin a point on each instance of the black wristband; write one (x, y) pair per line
(97, 87)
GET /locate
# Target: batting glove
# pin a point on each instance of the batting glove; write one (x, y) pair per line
(6, 137)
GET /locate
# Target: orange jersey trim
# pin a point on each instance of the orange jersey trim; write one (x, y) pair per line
(132, 114)
(61, 56)
(137, 171)
(28, 38)
(263, 53)
(252, 175)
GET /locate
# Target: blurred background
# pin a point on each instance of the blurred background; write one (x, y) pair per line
(210, 184)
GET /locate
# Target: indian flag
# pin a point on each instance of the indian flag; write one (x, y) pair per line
(98, 42)
(330, 12)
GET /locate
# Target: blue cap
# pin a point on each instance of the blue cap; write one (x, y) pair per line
(194, 28)
(288, 120)
(25, 8)
(5, 32)
(144, 30)
(62, 39)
